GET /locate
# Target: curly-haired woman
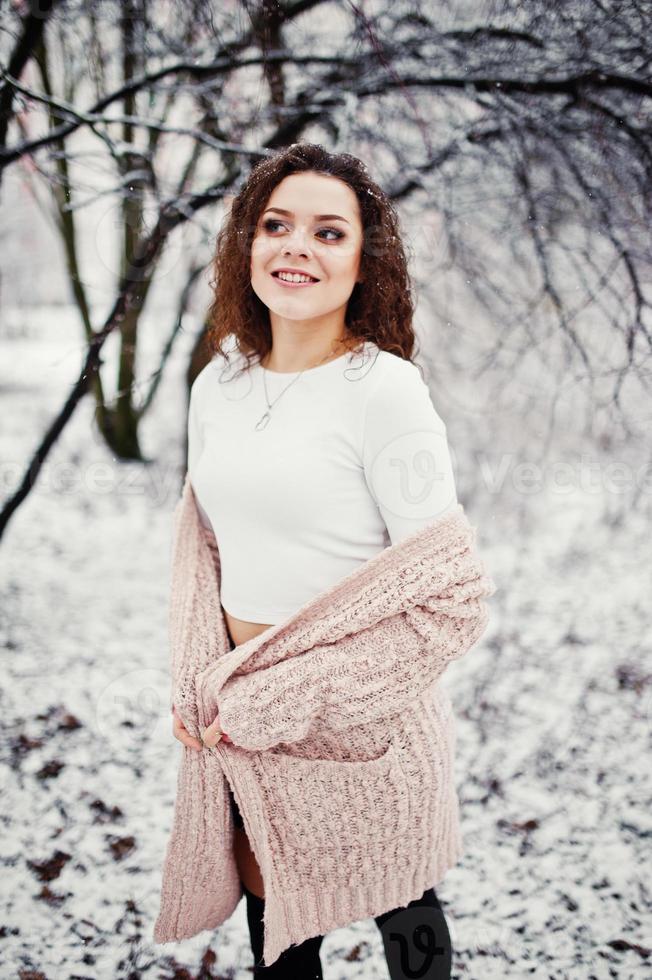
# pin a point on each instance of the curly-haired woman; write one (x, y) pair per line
(313, 445)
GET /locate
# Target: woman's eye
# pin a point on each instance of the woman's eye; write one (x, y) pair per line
(334, 231)
(270, 225)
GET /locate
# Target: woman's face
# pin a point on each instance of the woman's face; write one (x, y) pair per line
(311, 222)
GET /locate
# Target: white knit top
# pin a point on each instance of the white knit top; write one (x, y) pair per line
(353, 458)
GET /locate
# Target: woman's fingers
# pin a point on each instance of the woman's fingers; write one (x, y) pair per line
(212, 734)
(181, 732)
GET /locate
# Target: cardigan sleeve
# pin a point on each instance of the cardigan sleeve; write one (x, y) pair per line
(367, 676)
(194, 445)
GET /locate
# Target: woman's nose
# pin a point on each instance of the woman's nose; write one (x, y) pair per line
(297, 242)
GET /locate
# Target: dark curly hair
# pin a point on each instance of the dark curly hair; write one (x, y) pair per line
(380, 308)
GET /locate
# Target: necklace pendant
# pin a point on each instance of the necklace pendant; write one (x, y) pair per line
(262, 422)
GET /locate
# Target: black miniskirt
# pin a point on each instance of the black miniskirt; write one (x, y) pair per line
(237, 816)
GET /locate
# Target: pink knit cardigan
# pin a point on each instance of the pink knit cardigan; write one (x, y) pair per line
(342, 751)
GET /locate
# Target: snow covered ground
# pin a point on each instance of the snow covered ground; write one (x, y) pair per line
(554, 710)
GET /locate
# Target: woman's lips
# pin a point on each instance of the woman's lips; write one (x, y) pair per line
(292, 285)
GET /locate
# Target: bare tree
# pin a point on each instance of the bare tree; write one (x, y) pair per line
(23, 43)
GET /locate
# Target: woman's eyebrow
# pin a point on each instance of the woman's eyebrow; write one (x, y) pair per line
(318, 217)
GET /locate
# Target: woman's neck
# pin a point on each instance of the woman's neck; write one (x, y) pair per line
(290, 360)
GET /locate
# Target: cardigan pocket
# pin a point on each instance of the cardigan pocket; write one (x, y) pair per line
(334, 805)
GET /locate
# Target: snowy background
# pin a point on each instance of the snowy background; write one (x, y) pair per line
(554, 709)
(554, 704)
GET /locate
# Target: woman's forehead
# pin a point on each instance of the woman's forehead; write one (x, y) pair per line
(309, 195)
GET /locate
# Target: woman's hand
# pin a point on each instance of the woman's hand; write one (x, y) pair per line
(180, 731)
(210, 736)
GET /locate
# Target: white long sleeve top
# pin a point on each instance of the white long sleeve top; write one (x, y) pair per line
(354, 458)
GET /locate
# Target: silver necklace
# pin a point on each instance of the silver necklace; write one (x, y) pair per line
(266, 416)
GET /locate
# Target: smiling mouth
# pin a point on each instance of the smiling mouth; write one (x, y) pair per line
(291, 283)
